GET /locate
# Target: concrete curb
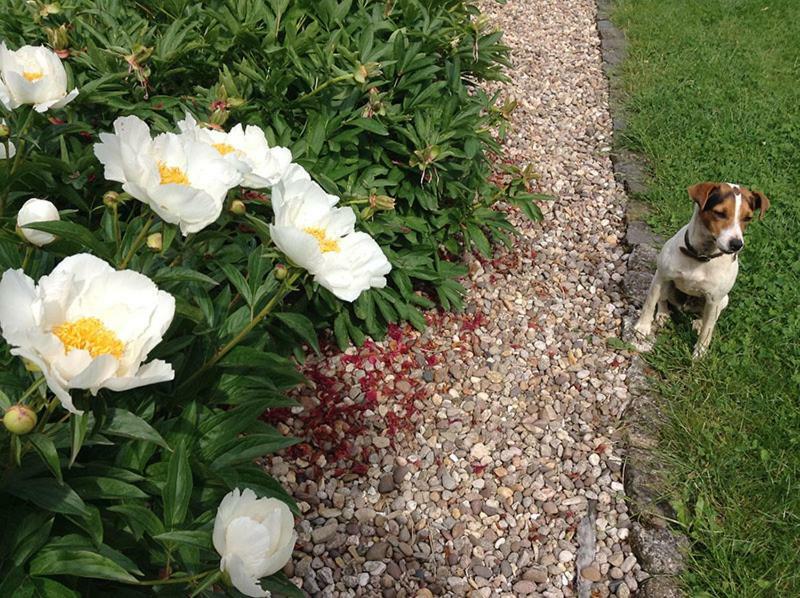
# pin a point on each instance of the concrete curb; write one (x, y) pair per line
(659, 548)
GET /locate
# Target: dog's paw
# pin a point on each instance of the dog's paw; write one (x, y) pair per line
(662, 318)
(642, 330)
(637, 336)
(699, 351)
(697, 325)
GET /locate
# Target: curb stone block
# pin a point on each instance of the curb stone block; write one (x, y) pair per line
(658, 548)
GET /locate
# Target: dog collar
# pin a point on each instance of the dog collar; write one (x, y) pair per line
(690, 251)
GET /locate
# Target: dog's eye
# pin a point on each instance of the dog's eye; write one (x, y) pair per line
(748, 218)
(719, 215)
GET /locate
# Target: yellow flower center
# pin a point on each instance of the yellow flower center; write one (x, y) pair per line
(172, 174)
(223, 148)
(325, 244)
(32, 75)
(91, 335)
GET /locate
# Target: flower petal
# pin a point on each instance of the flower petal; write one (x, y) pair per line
(93, 377)
(191, 209)
(359, 265)
(17, 299)
(243, 581)
(63, 101)
(151, 373)
(300, 247)
(53, 383)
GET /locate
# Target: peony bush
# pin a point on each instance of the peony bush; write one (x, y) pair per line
(190, 196)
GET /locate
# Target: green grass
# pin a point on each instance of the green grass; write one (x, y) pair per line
(713, 93)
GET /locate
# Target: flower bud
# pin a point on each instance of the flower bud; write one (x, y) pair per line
(4, 130)
(381, 202)
(30, 366)
(280, 271)
(155, 241)
(52, 8)
(19, 419)
(219, 116)
(58, 37)
(361, 73)
(238, 207)
(36, 210)
(110, 199)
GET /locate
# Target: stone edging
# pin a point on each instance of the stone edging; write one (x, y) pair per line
(658, 547)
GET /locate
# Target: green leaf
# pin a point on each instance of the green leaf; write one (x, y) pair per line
(47, 451)
(239, 282)
(479, 239)
(43, 587)
(180, 274)
(93, 487)
(79, 424)
(178, 488)
(140, 518)
(79, 563)
(368, 124)
(76, 233)
(120, 422)
(268, 364)
(251, 446)
(281, 585)
(340, 331)
(209, 581)
(27, 536)
(300, 325)
(48, 494)
(198, 538)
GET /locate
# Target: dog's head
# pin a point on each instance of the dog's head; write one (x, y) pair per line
(726, 209)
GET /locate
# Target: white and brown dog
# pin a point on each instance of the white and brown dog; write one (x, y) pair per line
(701, 259)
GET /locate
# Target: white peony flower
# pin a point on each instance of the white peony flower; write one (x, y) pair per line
(33, 75)
(183, 180)
(87, 325)
(321, 238)
(36, 210)
(255, 538)
(295, 184)
(12, 150)
(247, 150)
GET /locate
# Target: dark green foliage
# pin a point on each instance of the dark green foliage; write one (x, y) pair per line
(376, 99)
(379, 101)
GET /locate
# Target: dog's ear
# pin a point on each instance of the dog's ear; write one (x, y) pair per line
(760, 203)
(702, 192)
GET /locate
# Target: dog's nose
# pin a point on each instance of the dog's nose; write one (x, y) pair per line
(735, 244)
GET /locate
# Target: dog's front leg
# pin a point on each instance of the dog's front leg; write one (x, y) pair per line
(711, 312)
(656, 294)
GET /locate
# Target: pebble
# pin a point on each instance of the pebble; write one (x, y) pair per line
(524, 588)
(592, 573)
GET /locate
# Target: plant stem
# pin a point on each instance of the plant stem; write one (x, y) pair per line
(115, 212)
(31, 389)
(27, 258)
(20, 150)
(46, 417)
(137, 243)
(327, 83)
(173, 580)
(276, 298)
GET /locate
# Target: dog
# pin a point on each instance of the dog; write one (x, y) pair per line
(701, 260)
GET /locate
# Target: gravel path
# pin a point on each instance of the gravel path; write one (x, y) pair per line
(462, 461)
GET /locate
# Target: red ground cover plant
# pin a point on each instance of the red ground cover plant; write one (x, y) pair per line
(391, 386)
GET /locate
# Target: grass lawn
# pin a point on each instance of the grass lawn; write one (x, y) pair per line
(714, 94)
